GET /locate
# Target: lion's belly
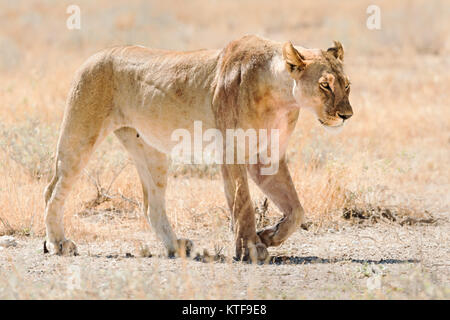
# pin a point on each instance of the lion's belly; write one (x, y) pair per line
(156, 115)
(160, 131)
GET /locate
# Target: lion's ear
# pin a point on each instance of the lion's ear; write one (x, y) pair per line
(294, 59)
(337, 51)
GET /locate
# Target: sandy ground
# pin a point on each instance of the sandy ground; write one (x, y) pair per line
(383, 260)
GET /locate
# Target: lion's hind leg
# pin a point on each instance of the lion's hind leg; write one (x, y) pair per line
(152, 167)
(82, 130)
(72, 154)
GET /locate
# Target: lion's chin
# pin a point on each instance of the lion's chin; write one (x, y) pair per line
(332, 128)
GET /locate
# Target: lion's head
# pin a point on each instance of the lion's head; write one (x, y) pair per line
(320, 83)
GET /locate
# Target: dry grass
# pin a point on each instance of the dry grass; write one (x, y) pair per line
(393, 152)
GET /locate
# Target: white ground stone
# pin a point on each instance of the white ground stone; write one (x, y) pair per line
(7, 241)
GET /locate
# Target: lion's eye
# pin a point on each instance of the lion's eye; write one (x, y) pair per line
(325, 85)
(347, 87)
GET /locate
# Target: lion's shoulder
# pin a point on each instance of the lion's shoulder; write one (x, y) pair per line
(249, 52)
(246, 74)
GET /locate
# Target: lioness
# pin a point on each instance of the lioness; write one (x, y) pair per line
(143, 95)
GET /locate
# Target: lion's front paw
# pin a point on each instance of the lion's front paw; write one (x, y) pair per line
(267, 236)
(61, 248)
(255, 253)
(262, 253)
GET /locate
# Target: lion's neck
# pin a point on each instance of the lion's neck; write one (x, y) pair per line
(281, 81)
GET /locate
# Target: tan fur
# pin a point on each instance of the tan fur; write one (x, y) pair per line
(143, 95)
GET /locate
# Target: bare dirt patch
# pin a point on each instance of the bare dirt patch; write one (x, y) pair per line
(356, 261)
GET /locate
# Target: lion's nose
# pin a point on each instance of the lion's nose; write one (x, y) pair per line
(344, 116)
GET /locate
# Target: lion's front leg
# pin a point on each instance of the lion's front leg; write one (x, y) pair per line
(280, 189)
(248, 244)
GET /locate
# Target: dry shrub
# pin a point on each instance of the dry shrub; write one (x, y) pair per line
(398, 214)
(30, 145)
